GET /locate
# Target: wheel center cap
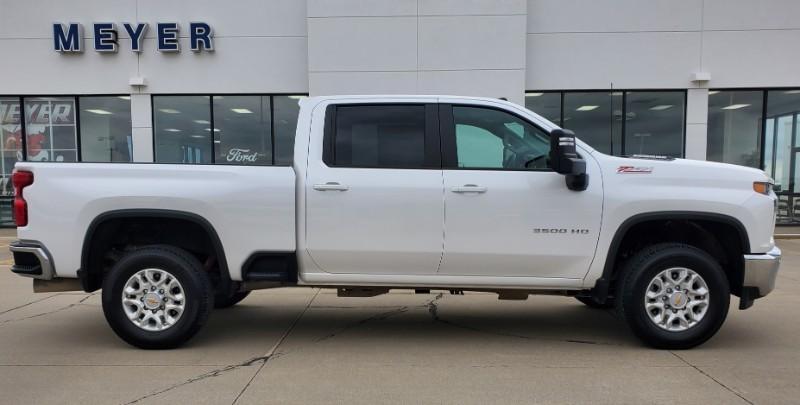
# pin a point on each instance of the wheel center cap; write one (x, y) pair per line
(678, 299)
(152, 300)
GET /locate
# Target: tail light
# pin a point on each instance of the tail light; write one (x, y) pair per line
(21, 179)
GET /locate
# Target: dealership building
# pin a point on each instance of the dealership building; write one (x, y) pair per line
(217, 82)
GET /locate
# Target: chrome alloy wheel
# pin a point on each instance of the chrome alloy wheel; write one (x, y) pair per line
(153, 299)
(676, 299)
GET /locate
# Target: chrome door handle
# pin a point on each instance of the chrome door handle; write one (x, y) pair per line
(469, 188)
(331, 186)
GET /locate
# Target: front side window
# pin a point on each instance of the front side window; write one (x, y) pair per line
(51, 134)
(379, 136)
(492, 139)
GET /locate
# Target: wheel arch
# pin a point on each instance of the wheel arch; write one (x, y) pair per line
(603, 284)
(91, 276)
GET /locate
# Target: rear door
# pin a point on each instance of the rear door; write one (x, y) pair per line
(374, 200)
(508, 214)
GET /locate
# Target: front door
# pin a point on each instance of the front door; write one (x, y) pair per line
(507, 213)
(374, 202)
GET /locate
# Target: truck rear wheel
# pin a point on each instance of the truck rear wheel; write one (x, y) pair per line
(673, 296)
(157, 297)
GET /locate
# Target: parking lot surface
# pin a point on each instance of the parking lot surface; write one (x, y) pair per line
(299, 345)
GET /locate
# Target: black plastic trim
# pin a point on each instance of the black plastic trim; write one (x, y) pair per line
(89, 281)
(288, 259)
(602, 285)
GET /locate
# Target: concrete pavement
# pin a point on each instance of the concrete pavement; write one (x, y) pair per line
(308, 346)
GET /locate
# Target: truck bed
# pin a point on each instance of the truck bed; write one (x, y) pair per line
(250, 207)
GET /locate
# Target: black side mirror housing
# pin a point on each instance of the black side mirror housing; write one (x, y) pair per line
(564, 159)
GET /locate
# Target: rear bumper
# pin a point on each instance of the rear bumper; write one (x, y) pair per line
(31, 259)
(760, 272)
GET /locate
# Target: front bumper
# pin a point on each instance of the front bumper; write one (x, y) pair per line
(760, 272)
(31, 259)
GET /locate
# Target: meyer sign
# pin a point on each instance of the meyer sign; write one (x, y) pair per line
(69, 37)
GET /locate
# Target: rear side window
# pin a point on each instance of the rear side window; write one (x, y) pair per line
(377, 136)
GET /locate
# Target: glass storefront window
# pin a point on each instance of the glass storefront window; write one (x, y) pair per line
(51, 133)
(182, 129)
(286, 109)
(10, 153)
(654, 123)
(105, 129)
(734, 127)
(548, 105)
(243, 130)
(590, 115)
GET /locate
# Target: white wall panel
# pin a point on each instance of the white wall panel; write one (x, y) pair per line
(595, 61)
(472, 42)
(361, 8)
(472, 7)
(613, 15)
(751, 14)
(362, 44)
(752, 58)
(333, 83)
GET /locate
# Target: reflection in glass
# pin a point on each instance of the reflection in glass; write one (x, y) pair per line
(105, 129)
(654, 123)
(243, 135)
(548, 105)
(590, 116)
(10, 153)
(50, 129)
(182, 129)
(285, 112)
(734, 127)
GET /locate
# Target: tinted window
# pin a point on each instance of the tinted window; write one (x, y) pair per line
(243, 130)
(183, 129)
(493, 139)
(105, 129)
(654, 123)
(391, 136)
(285, 110)
(734, 127)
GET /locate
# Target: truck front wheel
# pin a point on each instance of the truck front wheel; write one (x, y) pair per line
(673, 296)
(157, 297)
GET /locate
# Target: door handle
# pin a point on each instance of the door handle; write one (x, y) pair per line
(469, 188)
(331, 186)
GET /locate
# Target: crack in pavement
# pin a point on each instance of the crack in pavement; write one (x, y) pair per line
(729, 389)
(74, 304)
(213, 373)
(261, 360)
(379, 317)
(30, 303)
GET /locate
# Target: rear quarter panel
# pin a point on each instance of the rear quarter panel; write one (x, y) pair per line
(250, 207)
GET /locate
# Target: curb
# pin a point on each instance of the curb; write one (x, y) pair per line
(787, 236)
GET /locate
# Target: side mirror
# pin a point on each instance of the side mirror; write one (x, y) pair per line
(564, 159)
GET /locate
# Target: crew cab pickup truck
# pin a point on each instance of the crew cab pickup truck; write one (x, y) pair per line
(405, 192)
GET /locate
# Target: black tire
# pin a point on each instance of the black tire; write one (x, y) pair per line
(222, 300)
(644, 266)
(186, 269)
(591, 303)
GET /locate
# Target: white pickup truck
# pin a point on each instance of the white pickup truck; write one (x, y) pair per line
(405, 192)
